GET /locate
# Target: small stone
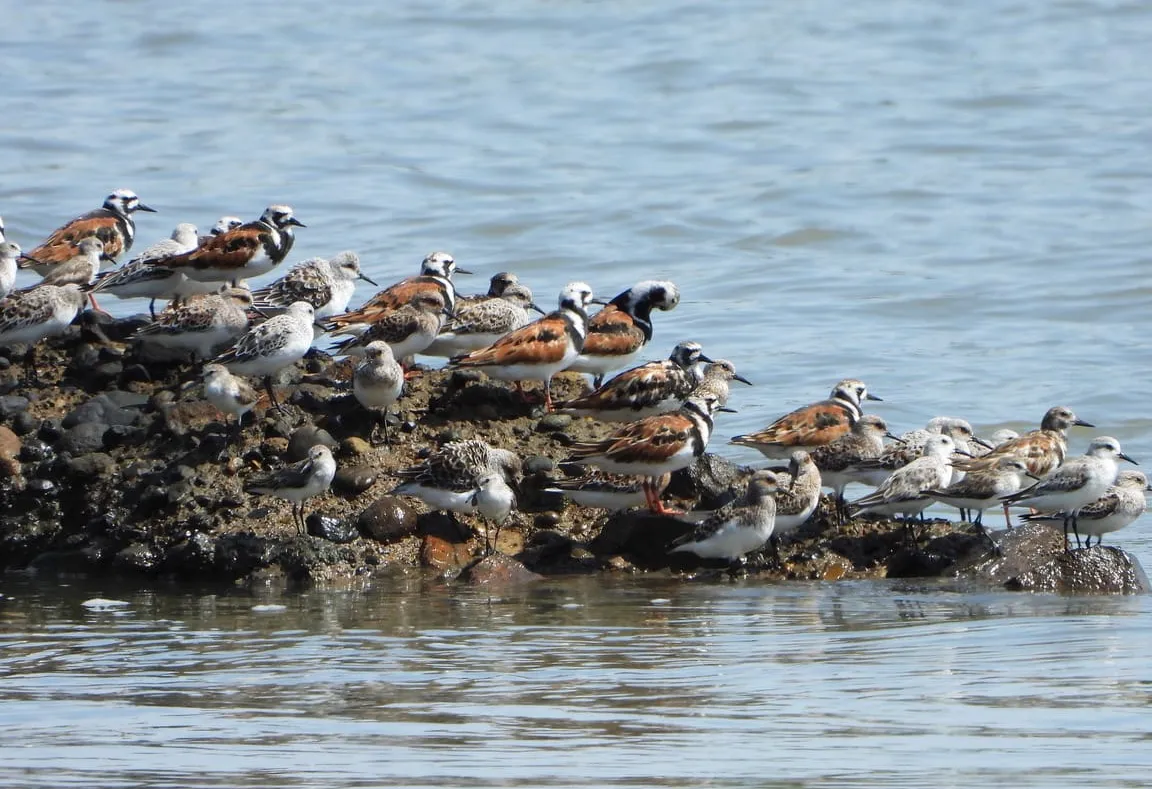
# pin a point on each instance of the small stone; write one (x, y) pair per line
(306, 437)
(462, 378)
(134, 373)
(50, 431)
(353, 446)
(34, 450)
(387, 519)
(498, 570)
(24, 423)
(94, 464)
(354, 479)
(138, 557)
(124, 435)
(563, 439)
(438, 553)
(272, 448)
(11, 405)
(110, 408)
(84, 438)
(448, 435)
(42, 487)
(553, 422)
(487, 412)
(331, 528)
(538, 464)
(547, 520)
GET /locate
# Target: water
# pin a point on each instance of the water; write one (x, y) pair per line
(582, 682)
(947, 201)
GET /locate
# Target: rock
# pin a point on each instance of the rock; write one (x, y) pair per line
(24, 423)
(137, 557)
(94, 464)
(109, 408)
(354, 446)
(12, 405)
(711, 479)
(42, 487)
(444, 546)
(194, 557)
(553, 423)
(83, 438)
(498, 570)
(10, 450)
(34, 450)
(539, 464)
(388, 519)
(306, 437)
(639, 535)
(331, 528)
(239, 554)
(354, 479)
(50, 431)
(1033, 558)
(449, 435)
(124, 435)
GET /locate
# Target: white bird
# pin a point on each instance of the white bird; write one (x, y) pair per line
(1120, 505)
(299, 482)
(279, 342)
(378, 381)
(738, 528)
(229, 394)
(905, 491)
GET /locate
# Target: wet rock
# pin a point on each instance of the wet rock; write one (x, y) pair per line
(124, 435)
(43, 487)
(33, 450)
(195, 556)
(50, 431)
(498, 570)
(354, 446)
(388, 519)
(306, 437)
(109, 408)
(24, 423)
(93, 465)
(553, 423)
(239, 554)
(354, 479)
(305, 559)
(444, 546)
(711, 479)
(137, 557)
(448, 436)
(311, 397)
(12, 405)
(640, 536)
(331, 528)
(83, 438)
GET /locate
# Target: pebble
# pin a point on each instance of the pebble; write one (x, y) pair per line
(354, 446)
(306, 437)
(354, 479)
(448, 435)
(94, 464)
(42, 487)
(553, 422)
(387, 519)
(34, 450)
(331, 528)
(84, 438)
(538, 464)
(498, 570)
(11, 405)
(24, 423)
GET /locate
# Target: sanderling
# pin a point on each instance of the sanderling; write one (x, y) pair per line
(905, 491)
(839, 460)
(409, 330)
(112, 223)
(299, 482)
(279, 342)
(223, 225)
(479, 324)
(604, 491)
(247, 251)
(436, 273)
(10, 257)
(1077, 482)
(799, 495)
(200, 326)
(654, 446)
(910, 445)
(976, 492)
(494, 500)
(229, 394)
(647, 390)
(326, 284)
(142, 278)
(447, 479)
(377, 383)
(618, 333)
(500, 282)
(813, 425)
(717, 375)
(1042, 450)
(739, 528)
(1120, 505)
(28, 316)
(81, 268)
(539, 350)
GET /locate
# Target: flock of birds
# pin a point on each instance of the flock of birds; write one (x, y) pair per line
(660, 414)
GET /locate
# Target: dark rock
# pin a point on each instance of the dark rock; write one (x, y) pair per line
(135, 373)
(194, 557)
(33, 450)
(553, 423)
(213, 444)
(303, 558)
(498, 570)
(388, 519)
(547, 520)
(179, 492)
(11, 405)
(639, 535)
(354, 446)
(83, 438)
(50, 431)
(124, 435)
(137, 557)
(331, 528)
(538, 464)
(24, 423)
(107, 372)
(94, 464)
(42, 487)
(711, 479)
(449, 435)
(110, 408)
(306, 437)
(354, 479)
(312, 398)
(239, 554)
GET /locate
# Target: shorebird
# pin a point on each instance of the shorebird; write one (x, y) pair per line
(200, 326)
(982, 489)
(1120, 505)
(28, 316)
(112, 223)
(448, 478)
(739, 528)
(408, 330)
(1041, 450)
(299, 482)
(613, 492)
(232, 396)
(277, 343)
(142, 278)
(10, 257)
(246, 251)
(326, 284)
(436, 272)
(377, 383)
(618, 333)
(539, 350)
(479, 324)
(813, 425)
(494, 500)
(905, 492)
(838, 460)
(717, 375)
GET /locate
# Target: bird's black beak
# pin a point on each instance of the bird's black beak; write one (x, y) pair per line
(962, 453)
(447, 311)
(871, 396)
(704, 358)
(983, 443)
(601, 302)
(1082, 423)
(727, 409)
(142, 207)
(30, 261)
(260, 312)
(367, 279)
(533, 305)
(461, 271)
(1033, 476)
(107, 258)
(294, 221)
(741, 379)
(1122, 456)
(894, 437)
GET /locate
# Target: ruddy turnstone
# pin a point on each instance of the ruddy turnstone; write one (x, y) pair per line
(910, 446)
(325, 284)
(539, 350)
(813, 425)
(247, 251)
(596, 489)
(647, 390)
(436, 272)
(739, 528)
(654, 446)
(200, 326)
(142, 278)
(1042, 450)
(618, 333)
(81, 268)
(905, 491)
(838, 461)
(717, 376)
(223, 225)
(279, 342)
(230, 395)
(447, 479)
(1076, 483)
(377, 383)
(998, 437)
(409, 330)
(299, 482)
(112, 223)
(28, 316)
(1120, 505)
(479, 324)
(980, 490)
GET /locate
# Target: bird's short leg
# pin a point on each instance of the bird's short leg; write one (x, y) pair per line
(272, 396)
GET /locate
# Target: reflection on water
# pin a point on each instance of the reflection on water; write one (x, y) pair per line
(585, 682)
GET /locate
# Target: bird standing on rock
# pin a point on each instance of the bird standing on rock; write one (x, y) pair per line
(377, 383)
(279, 342)
(112, 223)
(299, 482)
(739, 528)
(619, 332)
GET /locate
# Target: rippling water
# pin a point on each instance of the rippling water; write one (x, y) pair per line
(584, 682)
(948, 201)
